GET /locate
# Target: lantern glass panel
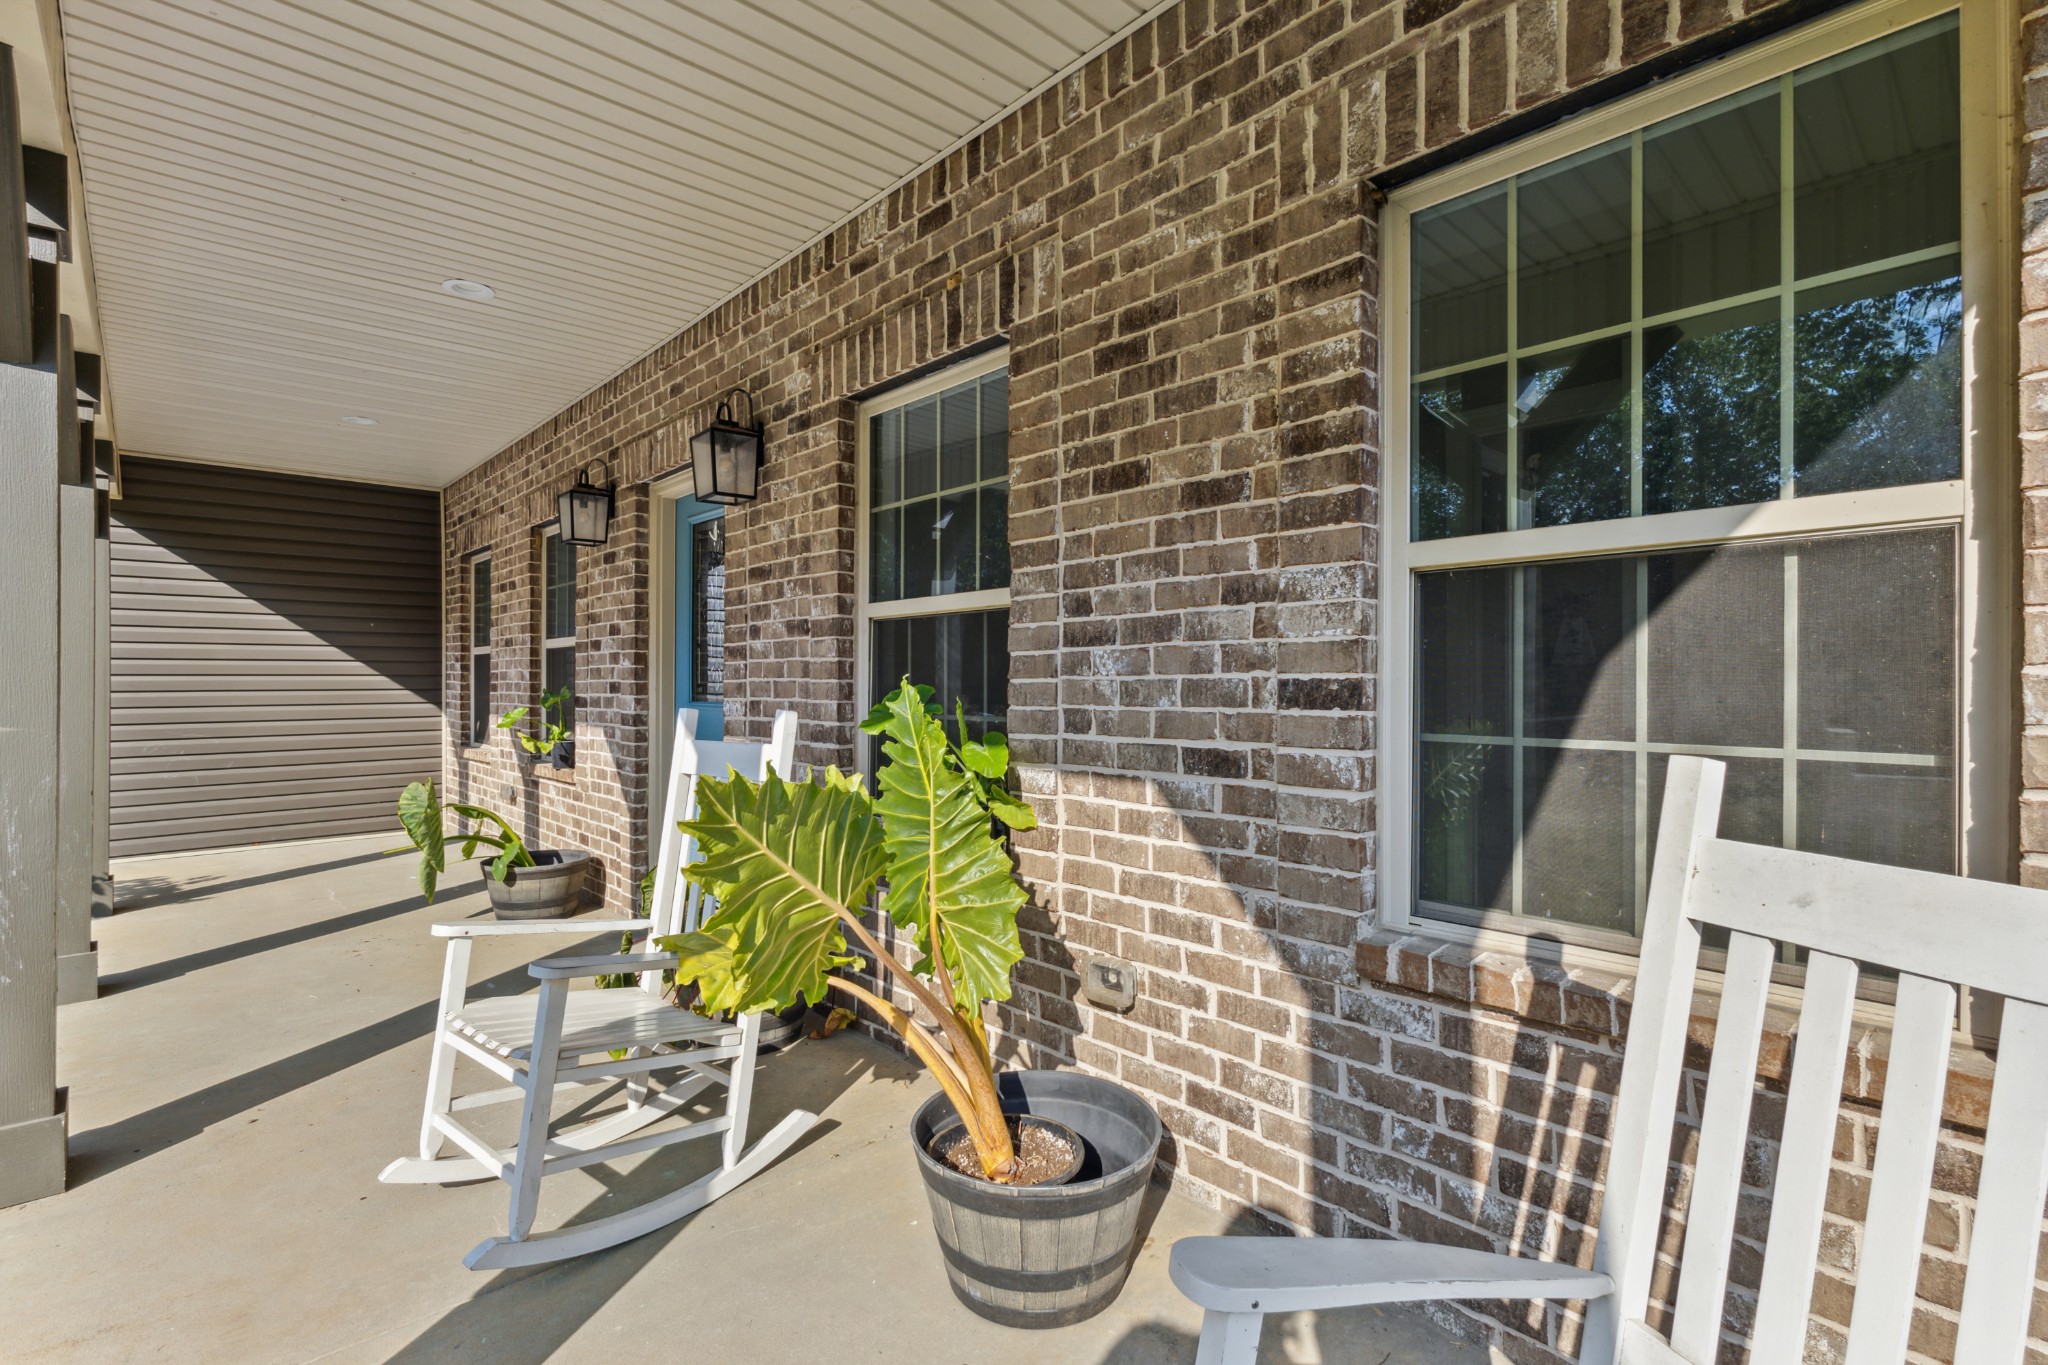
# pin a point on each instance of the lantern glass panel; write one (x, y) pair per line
(736, 462)
(586, 515)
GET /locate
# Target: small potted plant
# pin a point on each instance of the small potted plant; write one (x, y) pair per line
(523, 883)
(554, 742)
(1036, 1159)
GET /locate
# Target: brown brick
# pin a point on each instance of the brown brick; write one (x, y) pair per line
(1588, 39)
(1486, 65)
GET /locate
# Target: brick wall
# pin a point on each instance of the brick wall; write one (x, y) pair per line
(1178, 243)
(2033, 425)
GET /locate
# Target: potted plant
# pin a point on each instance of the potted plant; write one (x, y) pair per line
(554, 742)
(1034, 1159)
(524, 883)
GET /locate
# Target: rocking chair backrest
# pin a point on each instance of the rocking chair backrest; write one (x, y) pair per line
(678, 905)
(1936, 932)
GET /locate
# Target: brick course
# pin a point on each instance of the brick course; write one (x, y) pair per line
(1180, 246)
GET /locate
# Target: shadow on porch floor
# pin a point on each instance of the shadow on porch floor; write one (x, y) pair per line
(263, 1057)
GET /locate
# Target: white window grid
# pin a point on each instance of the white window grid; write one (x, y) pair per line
(1979, 503)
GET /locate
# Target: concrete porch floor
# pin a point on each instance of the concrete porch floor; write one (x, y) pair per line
(258, 1054)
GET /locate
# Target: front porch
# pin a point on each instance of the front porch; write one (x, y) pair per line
(255, 1057)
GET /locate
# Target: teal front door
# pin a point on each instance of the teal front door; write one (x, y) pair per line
(699, 627)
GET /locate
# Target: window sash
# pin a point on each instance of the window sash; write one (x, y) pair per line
(1979, 502)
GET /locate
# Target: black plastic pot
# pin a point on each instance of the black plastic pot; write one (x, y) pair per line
(1044, 1255)
(550, 889)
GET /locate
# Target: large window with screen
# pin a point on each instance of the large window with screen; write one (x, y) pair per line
(935, 575)
(1683, 469)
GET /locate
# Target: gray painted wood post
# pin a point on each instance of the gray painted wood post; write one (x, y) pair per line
(38, 417)
(78, 975)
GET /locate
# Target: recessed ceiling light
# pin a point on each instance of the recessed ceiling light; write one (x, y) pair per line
(355, 420)
(469, 289)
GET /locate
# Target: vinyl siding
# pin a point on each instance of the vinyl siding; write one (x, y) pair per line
(276, 658)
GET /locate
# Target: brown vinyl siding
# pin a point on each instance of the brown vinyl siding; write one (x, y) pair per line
(276, 655)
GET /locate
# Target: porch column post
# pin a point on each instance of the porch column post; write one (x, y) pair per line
(38, 438)
(78, 968)
(102, 697)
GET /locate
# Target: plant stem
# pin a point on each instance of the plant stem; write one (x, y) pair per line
(941, 1066)
(998, 1157)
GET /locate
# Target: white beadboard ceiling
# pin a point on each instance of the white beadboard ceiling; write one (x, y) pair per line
(276, 190)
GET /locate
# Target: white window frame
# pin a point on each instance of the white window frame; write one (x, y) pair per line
(866, 613)
(479, 660)
(1982, 503)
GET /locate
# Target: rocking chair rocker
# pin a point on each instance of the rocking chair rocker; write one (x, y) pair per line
(540, 1042)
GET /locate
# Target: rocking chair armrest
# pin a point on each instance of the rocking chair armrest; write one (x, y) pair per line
(493, 928)
(1286, 1274)
(558, 968)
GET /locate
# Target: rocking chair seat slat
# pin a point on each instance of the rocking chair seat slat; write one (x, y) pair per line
(596, 1021)
(1286, 1274)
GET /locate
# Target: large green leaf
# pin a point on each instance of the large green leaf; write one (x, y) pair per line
(419, 811)
(944, 859)
(782, 859)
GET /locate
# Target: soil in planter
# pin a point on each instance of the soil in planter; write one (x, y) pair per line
(1042, 1153)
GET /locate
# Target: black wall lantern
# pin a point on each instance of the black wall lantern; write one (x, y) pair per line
(725, 457)
(584, 511)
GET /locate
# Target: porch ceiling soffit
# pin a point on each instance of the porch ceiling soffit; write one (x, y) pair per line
(277, 191)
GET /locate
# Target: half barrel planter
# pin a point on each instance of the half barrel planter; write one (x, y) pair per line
(550, 889)
(1044, 1255)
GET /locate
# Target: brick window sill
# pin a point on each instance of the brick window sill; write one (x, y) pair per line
(543, 772)
(1595, 1002)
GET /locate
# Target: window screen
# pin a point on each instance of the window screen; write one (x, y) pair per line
(1823, 670)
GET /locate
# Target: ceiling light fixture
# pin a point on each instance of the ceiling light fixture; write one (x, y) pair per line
(469, 289)
(354, 420)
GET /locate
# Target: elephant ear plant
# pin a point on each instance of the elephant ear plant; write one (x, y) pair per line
(792, 864)
(420, 812)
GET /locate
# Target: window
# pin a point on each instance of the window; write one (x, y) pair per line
(558, 623)
(480, 650)
(707, 609)
(935, 573)
(1681, 468)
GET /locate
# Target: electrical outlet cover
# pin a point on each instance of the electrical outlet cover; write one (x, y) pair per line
(1109, 982)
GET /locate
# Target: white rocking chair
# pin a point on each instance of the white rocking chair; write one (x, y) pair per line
(539, 1042)
(1936, 932)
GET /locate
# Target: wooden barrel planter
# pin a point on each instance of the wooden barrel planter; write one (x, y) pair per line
(550, 889)
(1044, 1255)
